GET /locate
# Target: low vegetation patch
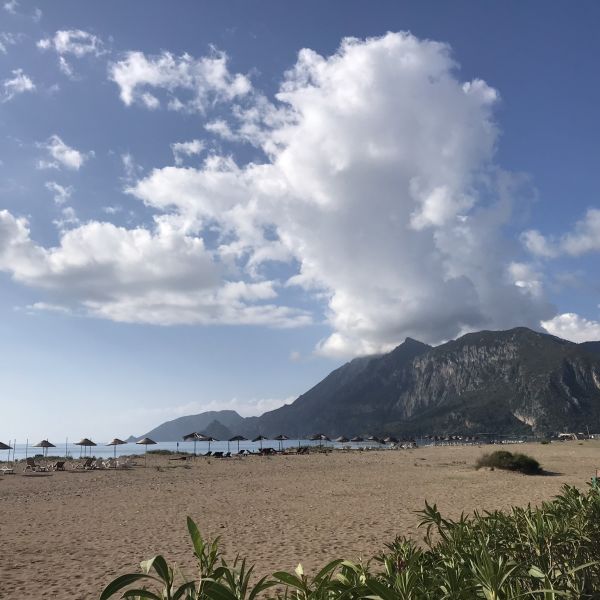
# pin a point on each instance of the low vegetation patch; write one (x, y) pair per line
(501, 459)
(548, 552)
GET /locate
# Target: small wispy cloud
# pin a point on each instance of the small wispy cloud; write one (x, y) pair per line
(18, 84)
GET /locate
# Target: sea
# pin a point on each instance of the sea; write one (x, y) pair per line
(23, 450)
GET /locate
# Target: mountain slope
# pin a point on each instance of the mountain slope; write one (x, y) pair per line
(175, 430)
(515, 381)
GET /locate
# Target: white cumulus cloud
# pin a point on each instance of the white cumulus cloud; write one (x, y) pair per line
(380, 193)
(62, 155)
(60, 193)
(74, 42)
(159, 276)
(19, 83)
(571, 326)
(183, 149)
(206, 78)
(584, 238)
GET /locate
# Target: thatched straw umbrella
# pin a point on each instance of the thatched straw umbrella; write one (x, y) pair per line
(357, 439)
(84, 443)
(238, 439)
(260, 438)
(390, 440)
(116, 442)
(373, 438)
(145, 442)
(4, 446)
(342, 439)
(319, 436)
(44, 445)
(195, 437)
(281, 438)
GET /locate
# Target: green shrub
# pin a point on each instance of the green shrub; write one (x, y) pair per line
(548, 552)
(501, 459)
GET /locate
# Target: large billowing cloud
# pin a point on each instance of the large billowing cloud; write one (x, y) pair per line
(379, 188)
(378, 193)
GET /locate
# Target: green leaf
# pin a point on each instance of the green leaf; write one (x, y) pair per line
(289, 579)
(161, 567)
(327, 568)
(134, 594)
(197, 540)
(123, 581)
(217, 591)
(261, 586)
(381, 590)
(536, 572)
(182, 589)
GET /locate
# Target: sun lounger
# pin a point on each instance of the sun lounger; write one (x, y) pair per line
(208, 454)
(7, 471)
(59, 465)
(217, 455)
(86, 464)
(31, 465)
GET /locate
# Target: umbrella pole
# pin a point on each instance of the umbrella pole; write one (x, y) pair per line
(26, 448)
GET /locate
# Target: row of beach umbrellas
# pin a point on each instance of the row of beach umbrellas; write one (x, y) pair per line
(200, 437)
(320, 437)
(83, 443)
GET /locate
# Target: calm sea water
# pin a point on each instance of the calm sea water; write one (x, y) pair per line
(23, 450)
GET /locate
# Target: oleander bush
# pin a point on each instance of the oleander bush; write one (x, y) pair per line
(548, 552)
(501, 459)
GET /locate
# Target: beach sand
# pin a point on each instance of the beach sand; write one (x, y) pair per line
(67, 535)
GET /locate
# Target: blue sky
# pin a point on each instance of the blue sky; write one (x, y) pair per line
(212, 205)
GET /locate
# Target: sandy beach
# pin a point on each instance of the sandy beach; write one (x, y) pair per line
(66, 535)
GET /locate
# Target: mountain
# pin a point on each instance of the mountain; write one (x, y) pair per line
(511, 382)
(174, 430)
(505, 382)
(217, 430)
(593, 347)
(348, 400)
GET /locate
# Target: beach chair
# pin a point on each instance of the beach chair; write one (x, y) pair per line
(59, 465)
(98, 464)
(31, 465)
(110, 463)
(217, 455)
(7, 471)
(208, 453)
(86, 464)
(227, 455)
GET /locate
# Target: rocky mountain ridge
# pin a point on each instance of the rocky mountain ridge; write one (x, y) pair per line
(508, 382)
